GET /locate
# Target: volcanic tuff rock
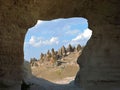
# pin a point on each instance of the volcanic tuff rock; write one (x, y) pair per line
(99, 62)
(70, 48)
(79, 47)
(54, 56)
(63, 49)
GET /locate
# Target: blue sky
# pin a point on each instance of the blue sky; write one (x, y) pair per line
(46, 35)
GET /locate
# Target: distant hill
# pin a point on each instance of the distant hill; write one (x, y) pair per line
(55, 58)
(57, 65)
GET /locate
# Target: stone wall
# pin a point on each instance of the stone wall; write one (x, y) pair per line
(99, 62)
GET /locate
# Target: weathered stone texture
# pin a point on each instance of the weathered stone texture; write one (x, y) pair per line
(99, 62)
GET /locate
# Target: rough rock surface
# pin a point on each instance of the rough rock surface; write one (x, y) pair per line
(79, 47)
(53, 57)
(100, 60)
(70, 48)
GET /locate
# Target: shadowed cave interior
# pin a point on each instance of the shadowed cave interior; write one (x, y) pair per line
(99, 62)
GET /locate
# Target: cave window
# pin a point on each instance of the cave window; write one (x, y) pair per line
(49, 36)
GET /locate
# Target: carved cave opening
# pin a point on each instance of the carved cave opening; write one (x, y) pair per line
(75, 28)
(99, 62)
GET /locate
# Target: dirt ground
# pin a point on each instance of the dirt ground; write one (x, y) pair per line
(59, 74)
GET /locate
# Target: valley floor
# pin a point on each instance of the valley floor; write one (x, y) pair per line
(66, 71)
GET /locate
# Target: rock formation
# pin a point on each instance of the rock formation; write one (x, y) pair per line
(53, 57)
(48, 56)
(42, 57)
(79, 47)
(69, 48)
(60, 52)
(99, 62)
(63, 49)
(53, 51)
(33, 62)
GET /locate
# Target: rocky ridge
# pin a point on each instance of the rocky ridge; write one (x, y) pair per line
(55, 58)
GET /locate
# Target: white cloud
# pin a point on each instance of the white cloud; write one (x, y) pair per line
(67, 30)
(83, 36)
(87, 33)
(38, 41)
(39, 22)
(54, 40)
(32, 40)
(72, 32)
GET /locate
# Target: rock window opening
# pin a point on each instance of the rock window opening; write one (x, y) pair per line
(52, 48)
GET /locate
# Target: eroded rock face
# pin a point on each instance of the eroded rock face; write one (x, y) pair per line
(99, 62)
(70, 48)
(79, 47)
